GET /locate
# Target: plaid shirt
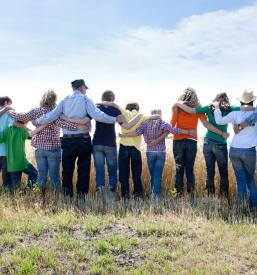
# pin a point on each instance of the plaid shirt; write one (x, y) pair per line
(49, 137)
(152, 129)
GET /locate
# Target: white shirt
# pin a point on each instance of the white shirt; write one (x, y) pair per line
(247, 137)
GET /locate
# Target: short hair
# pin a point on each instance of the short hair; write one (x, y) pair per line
(48, 99)
(3, 99)
(108, 96)
(132, 106)
(156, 112)
(249, 103)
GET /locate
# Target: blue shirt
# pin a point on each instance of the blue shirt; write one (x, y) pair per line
(105, 133)
(77, 106)
(5, 120)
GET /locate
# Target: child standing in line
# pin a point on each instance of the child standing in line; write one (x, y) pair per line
(14, 137)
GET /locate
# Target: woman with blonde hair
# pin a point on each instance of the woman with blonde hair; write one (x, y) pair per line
(47, 142)
(185, 146)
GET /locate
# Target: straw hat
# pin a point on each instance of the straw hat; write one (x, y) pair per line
(247, 97)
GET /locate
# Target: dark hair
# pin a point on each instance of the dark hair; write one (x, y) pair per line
(224, 104)
(4, 99)
(248, 104)
(108, 96)
(132, 106)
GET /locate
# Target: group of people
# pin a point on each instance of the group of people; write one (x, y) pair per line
(74, 114)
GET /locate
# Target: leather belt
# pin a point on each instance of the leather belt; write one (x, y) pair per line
(85, 135)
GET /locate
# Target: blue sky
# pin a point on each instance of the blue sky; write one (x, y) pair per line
(41, 32)
(143, 50)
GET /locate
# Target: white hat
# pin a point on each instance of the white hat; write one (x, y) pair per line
(247, 97)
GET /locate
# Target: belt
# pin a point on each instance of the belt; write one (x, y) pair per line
(85, 135)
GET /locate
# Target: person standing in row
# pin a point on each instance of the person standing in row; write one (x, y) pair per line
(76, 145)
(242, 150)
(47, 143)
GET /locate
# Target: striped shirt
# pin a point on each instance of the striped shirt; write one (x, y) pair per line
(49, 137)
(152, 129)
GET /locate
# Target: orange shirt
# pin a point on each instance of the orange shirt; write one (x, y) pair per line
(183, 120)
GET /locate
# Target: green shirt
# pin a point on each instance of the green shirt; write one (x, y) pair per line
(210, 116)
(14, 138)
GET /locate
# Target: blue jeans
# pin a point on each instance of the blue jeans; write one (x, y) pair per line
(215, 151)
(127, 155)
(244, 163)
(31, 171)
(101, 155)
(48, 161)
(184, 154)
(155, 161)
(6, 178)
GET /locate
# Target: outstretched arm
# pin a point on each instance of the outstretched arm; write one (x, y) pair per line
(132, 122)
(129, 134)
(36, 131)
(215, 130)
(185, 108)
(81, 121)
(5, 109)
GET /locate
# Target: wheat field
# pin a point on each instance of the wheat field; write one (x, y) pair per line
(168, 173)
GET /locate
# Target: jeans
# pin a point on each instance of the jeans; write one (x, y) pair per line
(6, 178)
(216, 151)
(31, 171)
(127, 155)
(184, 153)
(155, 161)
(48, 161)
(109, 154)
(244, 162)
(77, 148)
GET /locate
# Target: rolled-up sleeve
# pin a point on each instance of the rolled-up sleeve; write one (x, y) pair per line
(97, 114)
(51, 116)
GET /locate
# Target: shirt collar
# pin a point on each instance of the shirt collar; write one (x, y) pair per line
(76, 92)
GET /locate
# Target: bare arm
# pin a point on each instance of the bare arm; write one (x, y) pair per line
(37, 130)
(129, 134)
(215, 130)
(186, 108)
(79, 121)
(132, 122)
(5, 109)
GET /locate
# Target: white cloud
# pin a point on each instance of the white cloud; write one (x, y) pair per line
(211, 52)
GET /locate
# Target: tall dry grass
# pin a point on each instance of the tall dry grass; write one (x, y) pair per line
(168, 174)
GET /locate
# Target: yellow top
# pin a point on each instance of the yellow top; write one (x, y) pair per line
(132, 141)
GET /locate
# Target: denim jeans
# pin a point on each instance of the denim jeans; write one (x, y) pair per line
(76, 148)
(184, 154)
(31, 171)
(48, 161)
(101, 155)
(6, 178)
(216, 151)
(244, 163)
(155, 161)
(127, 155)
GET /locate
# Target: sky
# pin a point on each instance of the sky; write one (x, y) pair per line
(145, 51)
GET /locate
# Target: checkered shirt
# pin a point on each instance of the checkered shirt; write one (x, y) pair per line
(49, 137)
(152, 129)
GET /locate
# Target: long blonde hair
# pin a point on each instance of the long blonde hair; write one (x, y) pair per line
(48, 99)
(190, 97)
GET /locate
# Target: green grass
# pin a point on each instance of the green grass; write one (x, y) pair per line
(181, 239)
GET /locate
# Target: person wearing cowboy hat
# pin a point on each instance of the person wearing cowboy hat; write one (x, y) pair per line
(242, 149)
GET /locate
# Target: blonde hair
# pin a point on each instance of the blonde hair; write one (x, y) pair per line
(189, 96)
(48, 99)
